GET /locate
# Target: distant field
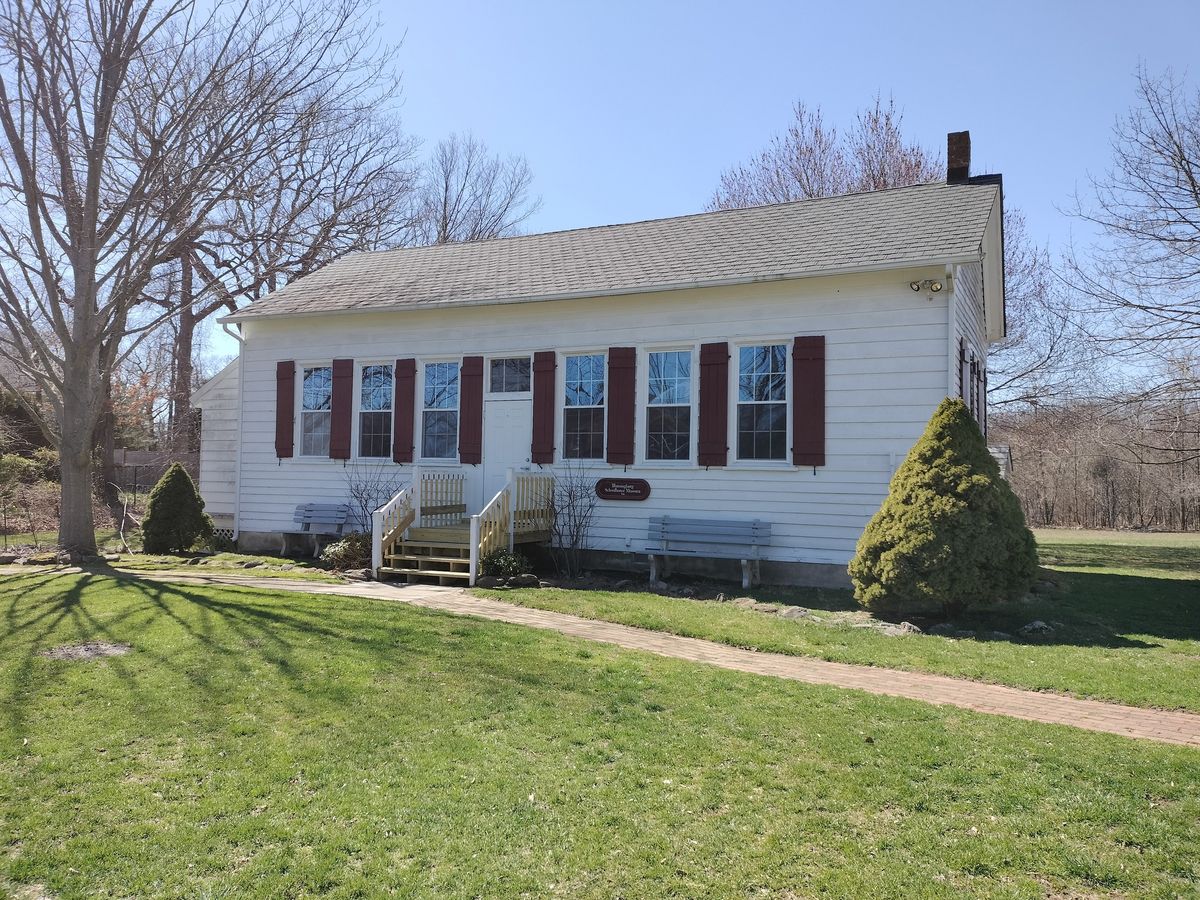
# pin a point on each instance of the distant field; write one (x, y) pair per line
(1049, 536)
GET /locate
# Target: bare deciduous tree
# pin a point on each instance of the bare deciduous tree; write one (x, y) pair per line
(125, 125)
(1043, 357)
(1145, 277)
(812, 159)
(468, 194)
(343, 184)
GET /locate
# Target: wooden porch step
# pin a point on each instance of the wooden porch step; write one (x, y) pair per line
(464, 546)
(428, 573)
(453, 533)
(453, 560)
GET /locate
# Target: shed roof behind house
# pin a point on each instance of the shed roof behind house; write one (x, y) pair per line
(881, 229)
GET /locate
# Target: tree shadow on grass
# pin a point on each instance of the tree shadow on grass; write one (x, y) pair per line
(1115, 556)
(1095, 609)
(248, 628)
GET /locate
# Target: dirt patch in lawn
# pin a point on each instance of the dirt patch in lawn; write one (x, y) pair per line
(86, 650)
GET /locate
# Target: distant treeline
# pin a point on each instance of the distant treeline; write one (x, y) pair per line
(1130, 464)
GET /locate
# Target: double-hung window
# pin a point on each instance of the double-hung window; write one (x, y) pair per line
(669, 405)
(439, 416)
(583, 412)
(375, 412)
(316, 403)
(762, 402)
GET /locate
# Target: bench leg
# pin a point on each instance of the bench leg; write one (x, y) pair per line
(653, 568)
(746, 579)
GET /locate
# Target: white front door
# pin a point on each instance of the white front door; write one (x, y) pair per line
(507, 438)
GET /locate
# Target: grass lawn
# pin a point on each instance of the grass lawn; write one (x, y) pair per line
(228, 564)
(1127, 623)
(274, 744)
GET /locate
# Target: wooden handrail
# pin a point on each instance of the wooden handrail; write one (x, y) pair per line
(390, 521)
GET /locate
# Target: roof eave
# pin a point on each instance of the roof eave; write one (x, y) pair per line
(952, 259)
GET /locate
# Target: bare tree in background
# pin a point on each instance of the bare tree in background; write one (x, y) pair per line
(1044, 356)
(468, 194)
(1146, 275)
(1141, 282)
(812, 159)
(344, 184)
(126, 125)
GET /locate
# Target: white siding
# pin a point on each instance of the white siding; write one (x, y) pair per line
(218, 400)
(886, 373)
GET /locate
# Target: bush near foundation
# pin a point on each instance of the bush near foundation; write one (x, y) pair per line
(175, 518)
(951, 534)
(353, 551)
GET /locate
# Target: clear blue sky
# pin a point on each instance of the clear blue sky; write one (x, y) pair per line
(630, 110)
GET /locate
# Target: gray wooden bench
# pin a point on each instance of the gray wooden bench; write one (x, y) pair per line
(712, 538)
(319, 520)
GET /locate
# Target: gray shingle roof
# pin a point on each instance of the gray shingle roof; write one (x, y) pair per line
(880, 229)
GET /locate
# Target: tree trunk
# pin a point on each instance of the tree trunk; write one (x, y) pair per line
(76, 527)
(181, 376)
(105, 446)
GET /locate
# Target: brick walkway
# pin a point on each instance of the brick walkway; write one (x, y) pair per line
(1093, 715)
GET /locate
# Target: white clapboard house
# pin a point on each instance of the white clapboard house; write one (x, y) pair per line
(769, 365)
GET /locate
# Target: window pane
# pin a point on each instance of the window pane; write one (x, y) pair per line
(668, 432)
(583, 432)
(670, 378)
(762, 431)
(376, 393)
(510, 376)
(318, 388)
(375, 434)
(762, 373)
(585, 380)
(314, 437)
(441, 385)
(439, 434)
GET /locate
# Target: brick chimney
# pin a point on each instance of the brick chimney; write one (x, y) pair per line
(958, 157)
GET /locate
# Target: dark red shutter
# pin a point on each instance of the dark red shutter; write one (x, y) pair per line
(713, 448)
(341, 406)
(403, 410)
(962, 361)
(470, 411)
(285, 409)
(542, 447)
(621, 397)
(971, 400)
(808, 401)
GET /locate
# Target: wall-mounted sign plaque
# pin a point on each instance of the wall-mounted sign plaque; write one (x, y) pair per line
(622, 489)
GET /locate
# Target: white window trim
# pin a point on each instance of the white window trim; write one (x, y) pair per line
(735, 462)
(298, 425)
(356, 421)
(642, 417)
(560, 387)
(489, 394)
(419, 411)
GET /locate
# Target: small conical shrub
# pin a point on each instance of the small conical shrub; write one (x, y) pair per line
(950, 534)
(175, 517)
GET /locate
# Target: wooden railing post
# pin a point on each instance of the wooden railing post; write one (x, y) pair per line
(416, 495)
(513, 495)
(474, 568)
(377, 541)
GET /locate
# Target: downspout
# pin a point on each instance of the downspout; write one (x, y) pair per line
(237, 459)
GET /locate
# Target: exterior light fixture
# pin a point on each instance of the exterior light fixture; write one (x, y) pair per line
(935, 286)
(915, 285)
(928, 284)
